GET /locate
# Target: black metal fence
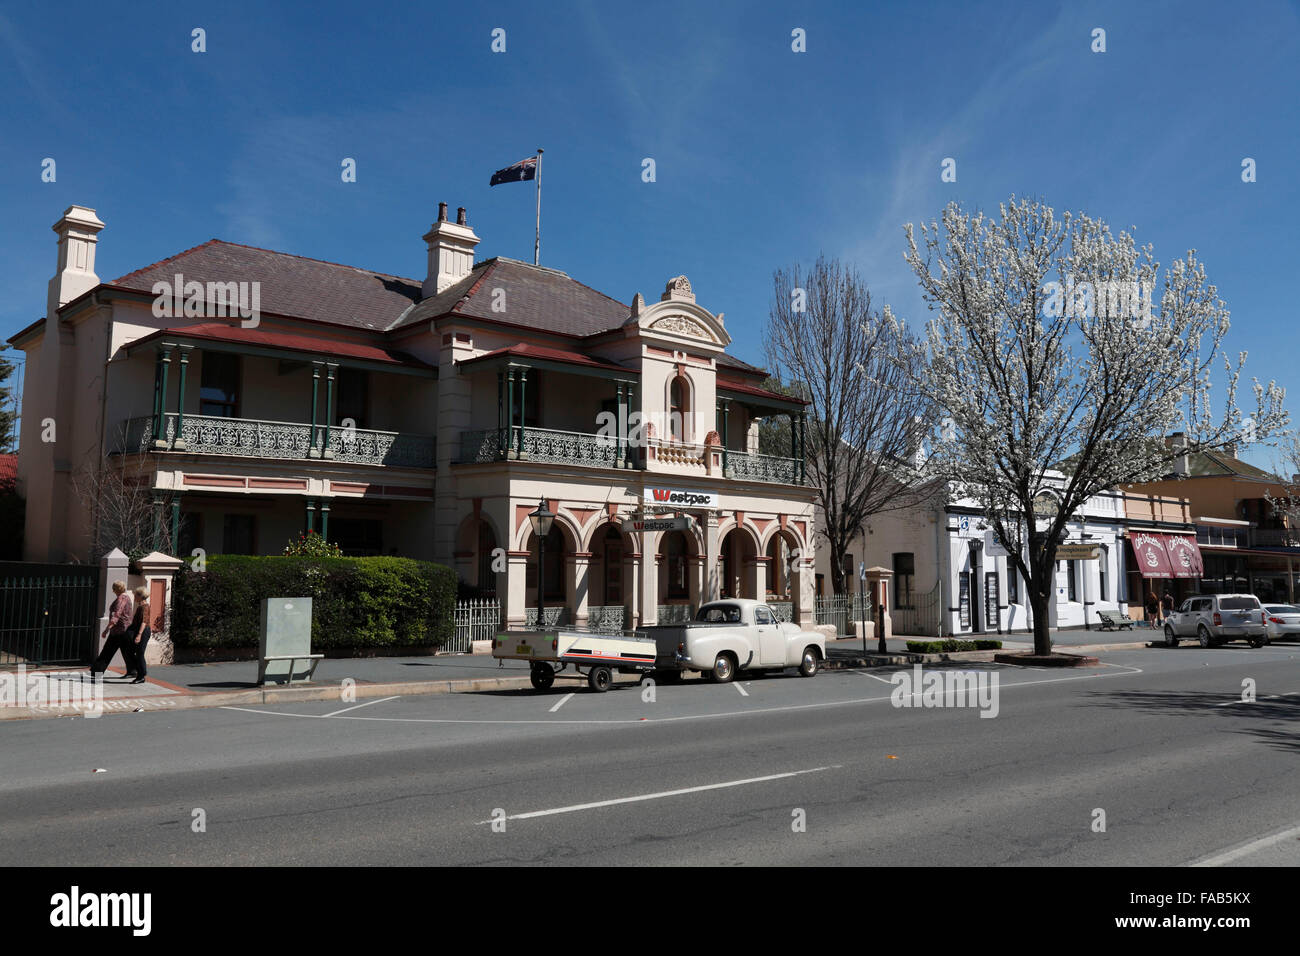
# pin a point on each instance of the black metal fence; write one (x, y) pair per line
(48, 613)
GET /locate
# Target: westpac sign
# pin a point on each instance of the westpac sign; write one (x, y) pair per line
(680, 498)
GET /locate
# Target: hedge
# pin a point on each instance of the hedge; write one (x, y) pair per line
(356, 602)
(949, 646)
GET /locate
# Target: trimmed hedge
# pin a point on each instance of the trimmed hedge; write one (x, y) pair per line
(356, 602)
(950, 646)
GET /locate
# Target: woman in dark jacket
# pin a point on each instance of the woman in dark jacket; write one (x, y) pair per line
(137, 636)
(1153, 609)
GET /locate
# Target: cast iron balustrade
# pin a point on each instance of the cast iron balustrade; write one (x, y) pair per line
(540, 444)
(762, 467)
(251, 438)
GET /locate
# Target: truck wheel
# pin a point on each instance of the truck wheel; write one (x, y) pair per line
(810, 664)
(724, 669)
(542, 676)
(1171, 639)
(1203, 635)
(599, 679)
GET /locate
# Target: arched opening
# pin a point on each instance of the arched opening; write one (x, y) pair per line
(477, 559)
(679, 409)
(739, 556)
(556, 581)
(609, 586)
(678, 567)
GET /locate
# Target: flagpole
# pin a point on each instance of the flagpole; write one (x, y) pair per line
(537, 241)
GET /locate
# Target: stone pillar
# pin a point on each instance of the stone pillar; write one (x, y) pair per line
(159, 571)
(878, 584)
(112, 567)
(1088, 592)
(711, 556)
(649, 583)
(759, 580)
(578, 585)
(632, 586)
(514, 596)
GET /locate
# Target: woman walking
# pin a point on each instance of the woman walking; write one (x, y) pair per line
(119, 619)
(1153, 609)
(137, 636)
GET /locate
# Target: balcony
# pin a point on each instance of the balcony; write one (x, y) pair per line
(542, 444)
(251, 438)
(752, 467)
(1274, 538)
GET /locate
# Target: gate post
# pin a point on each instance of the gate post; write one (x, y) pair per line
(112, 567)
(158, 570)
(877, 586)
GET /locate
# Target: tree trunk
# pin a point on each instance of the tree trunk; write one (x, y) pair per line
(1038, 601)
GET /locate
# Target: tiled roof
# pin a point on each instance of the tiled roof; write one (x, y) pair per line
(289, 285)
(531, 297)
(235, 334)
(1207, 464)
(564, 356)
(746, 388)
(8, 470)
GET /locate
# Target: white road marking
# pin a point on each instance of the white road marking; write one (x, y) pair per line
(743, 692)
(659, 796)
(561, 702)
(1126, 670)
(873, 676)
(1233, 703)
(1219, 859)
(378, 700)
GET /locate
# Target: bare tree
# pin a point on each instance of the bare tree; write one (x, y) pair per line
(1286, 503)
(825, 339)
(118, 494)
(1058, 374)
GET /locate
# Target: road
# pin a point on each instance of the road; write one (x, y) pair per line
(704, 774)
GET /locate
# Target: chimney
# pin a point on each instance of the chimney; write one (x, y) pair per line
(78, 232)
(1230, 449)
(1179, 443)
(451, 251)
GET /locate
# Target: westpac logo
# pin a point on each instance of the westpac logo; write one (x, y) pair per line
(977, 690)
(76, 909)
(688, 499)
(212, 300)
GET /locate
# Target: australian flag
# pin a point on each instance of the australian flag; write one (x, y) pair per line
(521, 171)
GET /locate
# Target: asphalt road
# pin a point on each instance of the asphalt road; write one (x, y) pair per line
(705, 774)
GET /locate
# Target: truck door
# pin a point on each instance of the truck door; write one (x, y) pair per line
(771, 639)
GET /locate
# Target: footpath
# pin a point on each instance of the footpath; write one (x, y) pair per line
(63, 692)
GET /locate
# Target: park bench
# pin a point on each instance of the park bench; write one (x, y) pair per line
(286, 640)
(1114, 620)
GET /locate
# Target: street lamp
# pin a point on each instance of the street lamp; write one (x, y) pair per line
(541, 520)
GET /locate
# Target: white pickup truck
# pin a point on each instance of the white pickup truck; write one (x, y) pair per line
(736, 634)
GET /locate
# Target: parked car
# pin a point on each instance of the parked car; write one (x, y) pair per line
(735, 635)
(1215, 619)
(1282, 621)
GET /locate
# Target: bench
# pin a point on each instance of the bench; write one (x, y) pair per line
(285, 641)
(1114, 620)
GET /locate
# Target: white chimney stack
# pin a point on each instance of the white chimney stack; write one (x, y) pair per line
(78, 232)
(451, 251)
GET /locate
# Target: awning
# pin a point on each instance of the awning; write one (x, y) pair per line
(1167, 555)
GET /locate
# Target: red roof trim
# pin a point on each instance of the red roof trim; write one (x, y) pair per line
(733, 385)
(525, 350)
(218, 332)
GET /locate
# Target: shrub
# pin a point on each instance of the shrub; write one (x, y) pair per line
(309, 544)
(949, 646)
(356, 602)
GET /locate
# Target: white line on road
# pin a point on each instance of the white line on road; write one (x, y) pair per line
(1233, 703)
(366, 704)
(1125, 671)
(1219, 859)
(561, 702)
(743, 692)
(873, 676)
(666, 793)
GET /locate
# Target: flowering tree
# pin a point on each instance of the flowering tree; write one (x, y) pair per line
(1049, 352)
(843, 356)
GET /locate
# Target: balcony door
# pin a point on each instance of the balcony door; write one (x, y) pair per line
(219, 385)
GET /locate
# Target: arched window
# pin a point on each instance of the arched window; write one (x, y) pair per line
(676, 410)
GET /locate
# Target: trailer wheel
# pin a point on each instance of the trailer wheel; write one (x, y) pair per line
(599, 679)
(809, 665)
(542, 676)
(724, 669)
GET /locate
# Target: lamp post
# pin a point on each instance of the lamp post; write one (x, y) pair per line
(541, 520)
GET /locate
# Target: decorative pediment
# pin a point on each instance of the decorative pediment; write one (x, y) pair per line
(677, 320)
(683, 325)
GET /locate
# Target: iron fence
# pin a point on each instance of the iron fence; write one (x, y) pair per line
(843, 611)
(476, 620)
(921, 619)
(47, 613)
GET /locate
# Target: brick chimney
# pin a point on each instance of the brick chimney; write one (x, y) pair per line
(451, 251)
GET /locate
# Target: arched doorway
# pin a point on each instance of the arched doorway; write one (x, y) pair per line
(738, 554)
(479, 561)
(557, 582)
(678, 567)
(609, 585)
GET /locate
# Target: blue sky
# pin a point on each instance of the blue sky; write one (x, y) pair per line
(763, 156)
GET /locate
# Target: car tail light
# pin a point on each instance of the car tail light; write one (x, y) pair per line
(1218, 619)
(1277, 620)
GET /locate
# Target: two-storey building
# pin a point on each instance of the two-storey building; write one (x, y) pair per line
(256, 394)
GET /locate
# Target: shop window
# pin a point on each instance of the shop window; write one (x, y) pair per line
(1071, 580)
(904, 579)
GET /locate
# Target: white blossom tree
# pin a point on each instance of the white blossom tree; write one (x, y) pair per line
(1050, 353)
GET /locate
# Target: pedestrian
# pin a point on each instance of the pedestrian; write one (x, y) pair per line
(119, 620)
(1167, 604)
(1153, 609)
(137, 636)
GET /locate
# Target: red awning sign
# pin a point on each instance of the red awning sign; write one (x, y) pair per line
(1184, 556)
(1152, 558)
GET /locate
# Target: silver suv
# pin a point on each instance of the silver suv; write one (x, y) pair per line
(1215, 619)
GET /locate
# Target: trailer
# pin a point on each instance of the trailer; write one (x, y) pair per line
(551, 652)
